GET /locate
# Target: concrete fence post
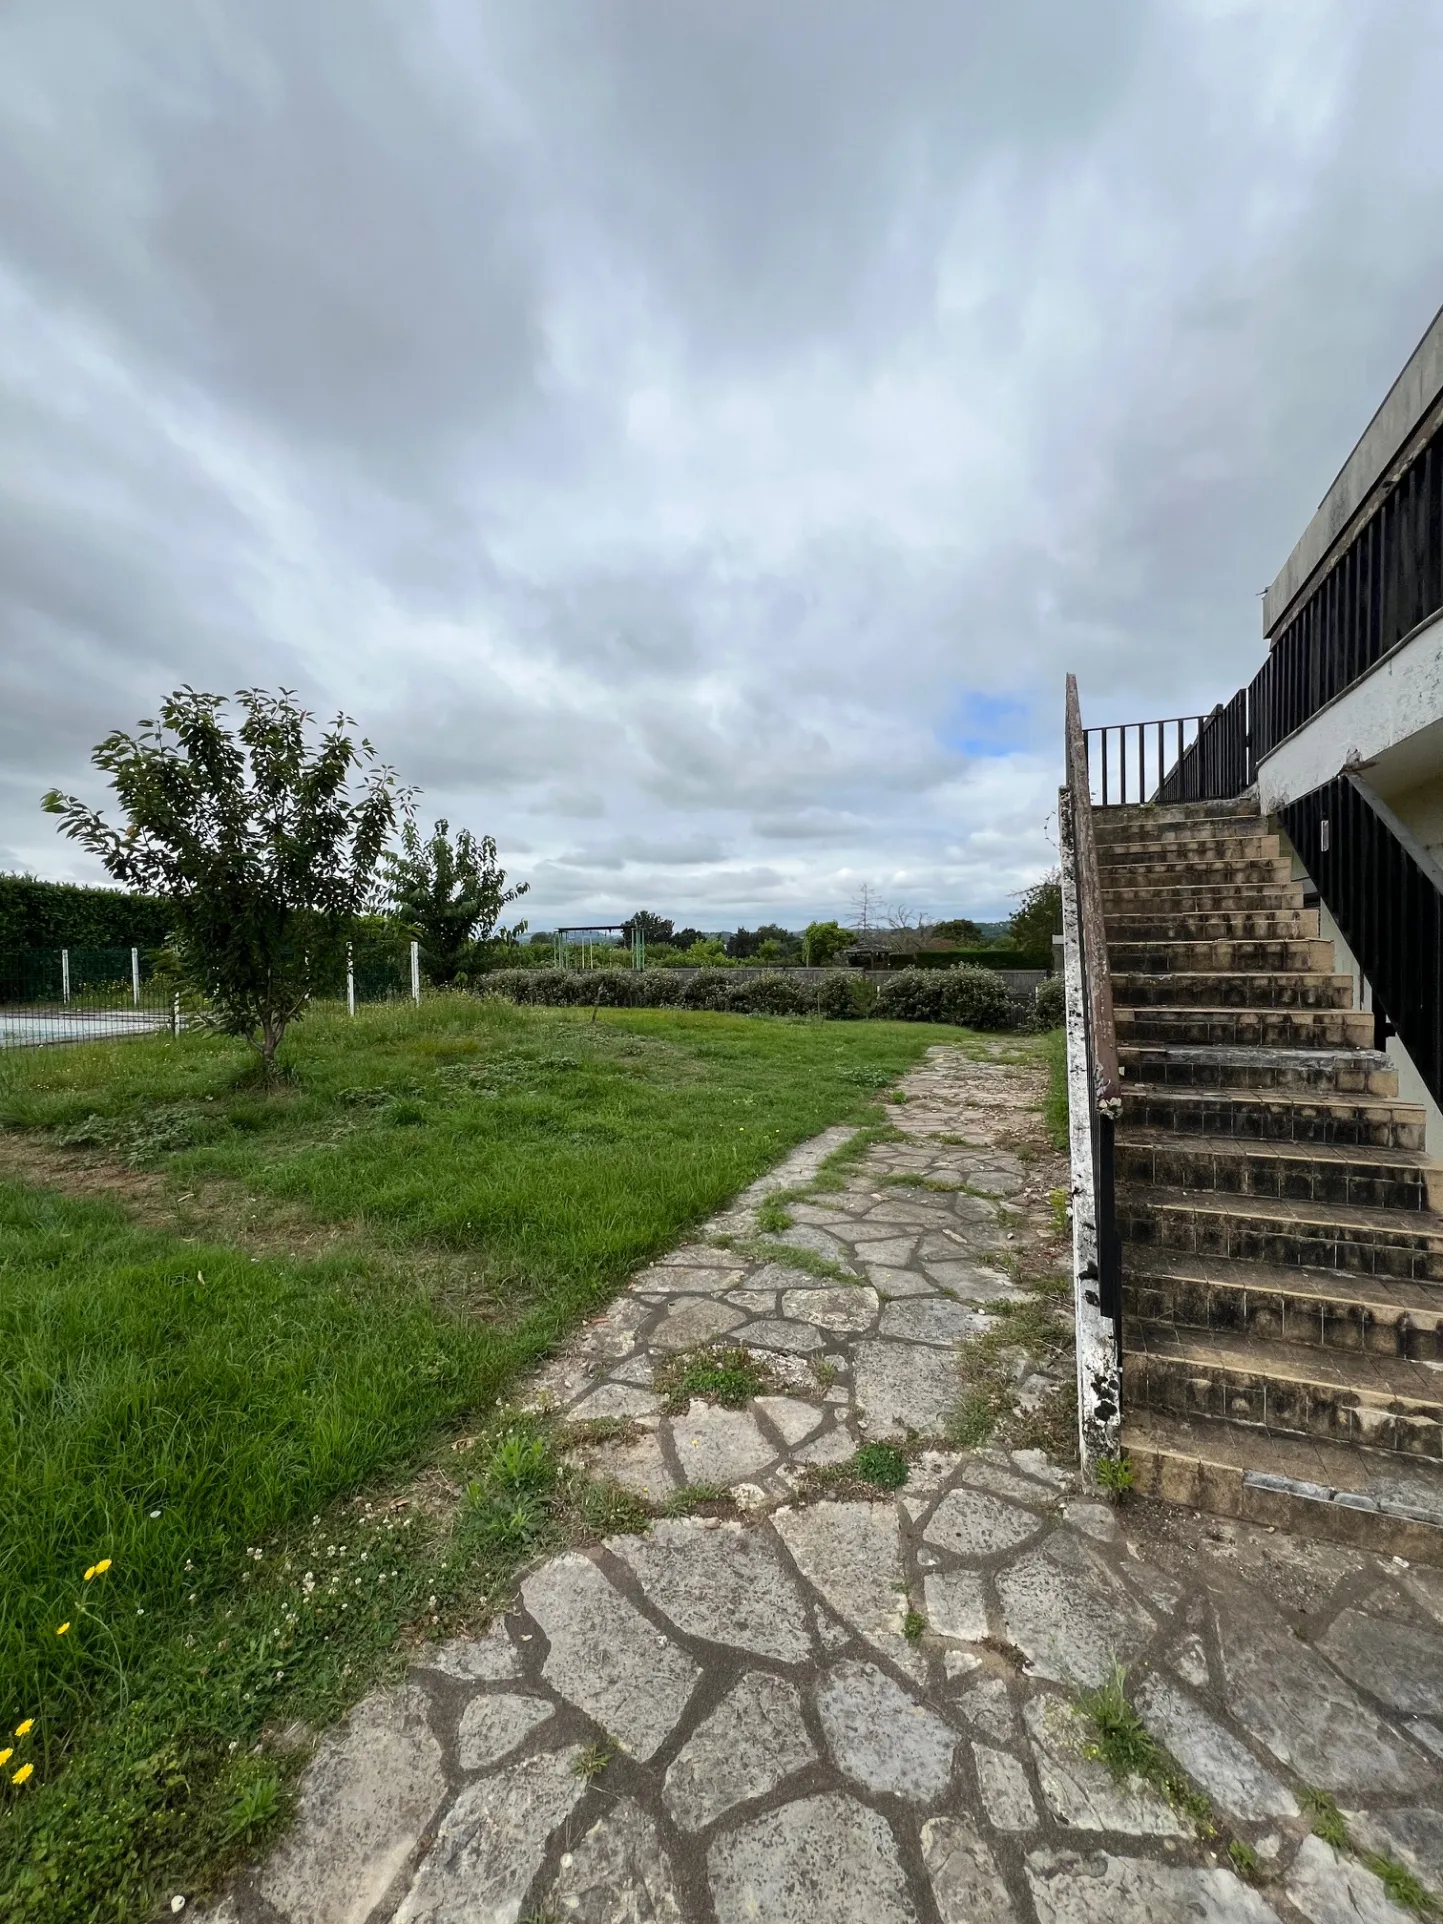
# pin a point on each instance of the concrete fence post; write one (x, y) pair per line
(65, 975)
(350, 980)
(416, 973)
(135, 977)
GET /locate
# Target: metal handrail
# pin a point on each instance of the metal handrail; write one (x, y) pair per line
(1102, 1025)
(1133, 760)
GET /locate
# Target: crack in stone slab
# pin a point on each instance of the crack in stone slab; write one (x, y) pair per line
(605, 1657)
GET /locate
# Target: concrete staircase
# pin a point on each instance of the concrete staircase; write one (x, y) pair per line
(1282, 1246)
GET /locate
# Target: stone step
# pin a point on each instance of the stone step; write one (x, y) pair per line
(1228, 1115)
(1223, 925)
(1262, 990)
(1183, 957)
(1182, 853)
(1339, 1396)
(1172, 905)
(1374, 1500)
(1337, 1072)
(1172, 875)
(1364, 1178)
(1270, 1303)
(1247, 1028)
(1364, 1242)
(1177, 818)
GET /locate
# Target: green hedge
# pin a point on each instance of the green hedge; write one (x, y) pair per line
(64, 915)
(974, 998)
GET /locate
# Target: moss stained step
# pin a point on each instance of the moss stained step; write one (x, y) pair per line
(1168, 957)
(1371, 1499)
(1182, 899)
(1336, 1071)
(1140, 875)
(1407, 1244)
(1153, 819)
(1177, 853)
(1247, 1028)
(1223, 925)
(1316, 1309)
(1321, 1173)
(1339, 1396)
(1252, 1116)
(1263, 990)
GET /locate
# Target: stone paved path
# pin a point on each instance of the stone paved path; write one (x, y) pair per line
(781, 1750)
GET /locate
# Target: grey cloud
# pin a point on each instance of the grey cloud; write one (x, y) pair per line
(678, 418)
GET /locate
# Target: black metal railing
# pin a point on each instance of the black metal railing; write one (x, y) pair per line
(1219, 763)
(1384, 584)
(1386, 581)
(1129, 761)
(1383, 892)
(1184, 758)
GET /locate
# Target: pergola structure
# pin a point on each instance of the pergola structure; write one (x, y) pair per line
(582, 936)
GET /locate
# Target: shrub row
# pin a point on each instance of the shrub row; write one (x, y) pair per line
(972, 998)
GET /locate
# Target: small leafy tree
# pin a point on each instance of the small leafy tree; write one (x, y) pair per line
(654, 930)
(450, 894)
(961, 929)
(257, 836)
(1038, 916)
(823, 942)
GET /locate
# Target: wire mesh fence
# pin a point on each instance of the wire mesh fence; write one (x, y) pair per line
(101, 995)
(82, 995)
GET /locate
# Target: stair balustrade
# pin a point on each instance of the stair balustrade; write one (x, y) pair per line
(1094, 1104)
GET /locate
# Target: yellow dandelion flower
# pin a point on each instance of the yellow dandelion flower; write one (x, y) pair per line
(24, 1730)
(25, 1770)
(7, 1754)
(90, 1573)
(62, 1630)
(102, 1566)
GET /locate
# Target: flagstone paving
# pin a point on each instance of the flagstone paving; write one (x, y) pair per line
(823, 1707)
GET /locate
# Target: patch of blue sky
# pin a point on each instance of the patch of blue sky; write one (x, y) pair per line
(987, 725)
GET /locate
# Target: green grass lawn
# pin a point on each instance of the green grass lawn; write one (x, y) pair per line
(283, 1299)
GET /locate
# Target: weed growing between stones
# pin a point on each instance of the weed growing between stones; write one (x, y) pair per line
(1245, 1860)
(1324, 1818)
(592, 1761)
(1115, 1477)
(1123, 1742)
(880, 1463)
(1027, 1332)
(601, 1429)
(914, 1626)
(758, 1249)
(773, 1216)
(731, 1377)
(825, 1372)
(692, 1497)
(1402, 1885)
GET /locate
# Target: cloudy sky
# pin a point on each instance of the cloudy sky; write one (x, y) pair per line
(693, 437)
